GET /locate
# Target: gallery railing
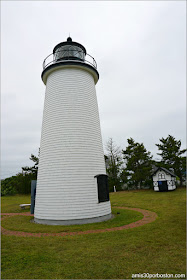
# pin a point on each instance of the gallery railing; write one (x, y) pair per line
(70, 55)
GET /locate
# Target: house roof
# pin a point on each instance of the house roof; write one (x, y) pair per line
(164, 169)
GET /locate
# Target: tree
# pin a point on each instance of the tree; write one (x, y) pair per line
(114, 162)
(171, 154)
(138, 164)
(21, 183)
(34, 169)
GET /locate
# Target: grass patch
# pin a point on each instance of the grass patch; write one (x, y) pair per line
(10, 204)
(157, 247)
(23, 223)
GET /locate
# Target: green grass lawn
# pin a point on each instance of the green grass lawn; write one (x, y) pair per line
(158, 247)
(21, 223)
(10, 204)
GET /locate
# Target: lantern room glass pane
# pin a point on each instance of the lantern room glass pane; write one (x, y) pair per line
(69, 51)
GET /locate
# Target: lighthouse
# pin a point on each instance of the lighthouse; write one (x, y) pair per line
(72, 185)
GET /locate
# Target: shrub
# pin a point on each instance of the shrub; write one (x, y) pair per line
(7, 188)
(21, 184)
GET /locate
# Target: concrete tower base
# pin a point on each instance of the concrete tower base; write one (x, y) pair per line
(73, 222)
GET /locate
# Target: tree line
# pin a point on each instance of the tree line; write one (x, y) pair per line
(21, 183)
(129, 168)
(133, 167)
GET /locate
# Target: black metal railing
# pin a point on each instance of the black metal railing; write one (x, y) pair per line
(70, 55)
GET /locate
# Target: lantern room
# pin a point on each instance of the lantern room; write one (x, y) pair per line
(69, 50)
(69, 53)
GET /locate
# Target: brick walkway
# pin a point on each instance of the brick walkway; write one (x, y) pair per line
(149, 217)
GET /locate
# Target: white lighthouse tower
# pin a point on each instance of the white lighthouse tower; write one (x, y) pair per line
(72, 185)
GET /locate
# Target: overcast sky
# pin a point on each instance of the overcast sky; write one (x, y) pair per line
(140, 49)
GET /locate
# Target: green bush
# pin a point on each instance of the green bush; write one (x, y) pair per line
(7, 188)
(21, 184)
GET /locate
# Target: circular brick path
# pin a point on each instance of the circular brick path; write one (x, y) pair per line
(148, 217)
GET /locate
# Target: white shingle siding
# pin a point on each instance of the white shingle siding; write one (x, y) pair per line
(71, 151)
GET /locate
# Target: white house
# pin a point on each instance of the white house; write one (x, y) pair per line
(164, 180)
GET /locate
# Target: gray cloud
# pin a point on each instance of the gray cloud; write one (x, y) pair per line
(140, 50)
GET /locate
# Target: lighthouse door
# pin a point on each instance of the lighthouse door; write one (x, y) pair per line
(103, 190)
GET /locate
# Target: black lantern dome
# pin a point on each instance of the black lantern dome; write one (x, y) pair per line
(69, 50)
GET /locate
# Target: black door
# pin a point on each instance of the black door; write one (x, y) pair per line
(103, 190)
(33, 195)
(163, 186)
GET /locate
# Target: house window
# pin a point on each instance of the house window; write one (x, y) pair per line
(102, 186)
(161, 176)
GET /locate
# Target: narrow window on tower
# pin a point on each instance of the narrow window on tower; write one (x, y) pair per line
(102, 186)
